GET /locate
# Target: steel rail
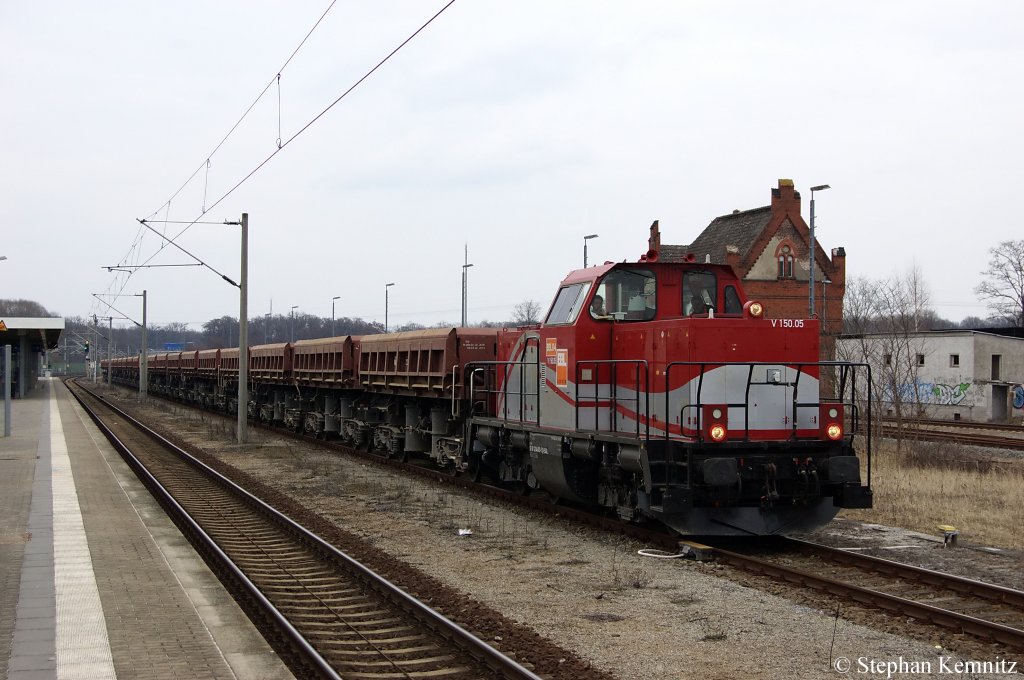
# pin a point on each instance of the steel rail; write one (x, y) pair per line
(876, 599)
(207, 545)
(958, 424)
(660, 537)
(955, 436)
(981, 628)
(471, 644)
(960, 584)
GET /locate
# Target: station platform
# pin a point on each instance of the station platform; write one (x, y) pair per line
(95, 581)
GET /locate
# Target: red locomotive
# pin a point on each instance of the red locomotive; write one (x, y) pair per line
(654, 390)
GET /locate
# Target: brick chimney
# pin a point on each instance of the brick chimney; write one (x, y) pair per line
(786, 197)
(654, 242)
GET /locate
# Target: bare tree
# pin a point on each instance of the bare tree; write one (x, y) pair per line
(1003, 287)
(883, 324)
(526, 312)
(903, 306)
(27, 308)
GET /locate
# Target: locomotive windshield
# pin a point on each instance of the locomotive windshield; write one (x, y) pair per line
(568, 303)
(626, 295)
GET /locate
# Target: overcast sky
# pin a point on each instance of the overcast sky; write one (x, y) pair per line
(515, 127)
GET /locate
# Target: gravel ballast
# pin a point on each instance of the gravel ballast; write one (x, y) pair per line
(625, 614)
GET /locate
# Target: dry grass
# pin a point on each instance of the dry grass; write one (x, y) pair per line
(927, 484)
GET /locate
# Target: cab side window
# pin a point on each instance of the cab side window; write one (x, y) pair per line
(700, 293)
(732, 301)
(625, 295)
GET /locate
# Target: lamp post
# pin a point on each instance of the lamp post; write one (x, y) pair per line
(386, 286)
(243, 336)
(465, 283)
(243, 332)
(585, 239)
(332, 313)
(292, 312)
(144, 355)
(7, 388)
(810, 301)
(266, 326)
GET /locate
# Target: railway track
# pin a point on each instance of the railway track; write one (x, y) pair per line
(959, 433)
(989, 612)
(1016, 430)
(327, 614)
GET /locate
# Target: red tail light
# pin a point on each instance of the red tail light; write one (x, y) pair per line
(716, 422)
(830, 421)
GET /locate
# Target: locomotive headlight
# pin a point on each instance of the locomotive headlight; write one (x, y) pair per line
(717, 432)
(833, 413)
(717, 413)
(834, 431)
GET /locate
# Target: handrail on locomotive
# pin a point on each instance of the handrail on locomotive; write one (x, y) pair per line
(847, 382)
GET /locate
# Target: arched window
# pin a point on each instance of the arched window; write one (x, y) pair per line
(784, 253)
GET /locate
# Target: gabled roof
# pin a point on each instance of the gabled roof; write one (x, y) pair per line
(740, 229)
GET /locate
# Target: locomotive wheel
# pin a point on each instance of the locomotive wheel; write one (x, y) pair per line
(476, 469)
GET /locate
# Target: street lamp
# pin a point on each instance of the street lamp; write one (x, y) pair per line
(386, 286)
(585, 239)
(810, 301)
(292, 312)
(336, 297)
(266, 326)
(465, 284)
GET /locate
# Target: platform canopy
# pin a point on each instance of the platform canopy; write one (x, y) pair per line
(44, 330)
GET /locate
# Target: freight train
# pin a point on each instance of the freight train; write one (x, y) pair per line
(654, 390)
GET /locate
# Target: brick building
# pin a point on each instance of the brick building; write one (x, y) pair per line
(768, 249)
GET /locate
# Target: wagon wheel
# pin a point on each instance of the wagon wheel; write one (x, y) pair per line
(526, 485)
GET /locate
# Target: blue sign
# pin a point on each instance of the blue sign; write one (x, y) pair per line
(174, 346)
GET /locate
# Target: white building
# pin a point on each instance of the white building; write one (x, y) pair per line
(951, 374)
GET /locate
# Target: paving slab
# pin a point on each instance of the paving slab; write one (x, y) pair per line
(96, 580)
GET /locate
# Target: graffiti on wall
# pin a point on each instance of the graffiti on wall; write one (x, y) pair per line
(1018, 397)
(949, 395)
(938, 394)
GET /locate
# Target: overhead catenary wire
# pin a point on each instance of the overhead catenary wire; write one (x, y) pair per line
(137, 242)
(310, 123)
(318, 116)
(277, 76)
(112, 307)
(172, 243)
